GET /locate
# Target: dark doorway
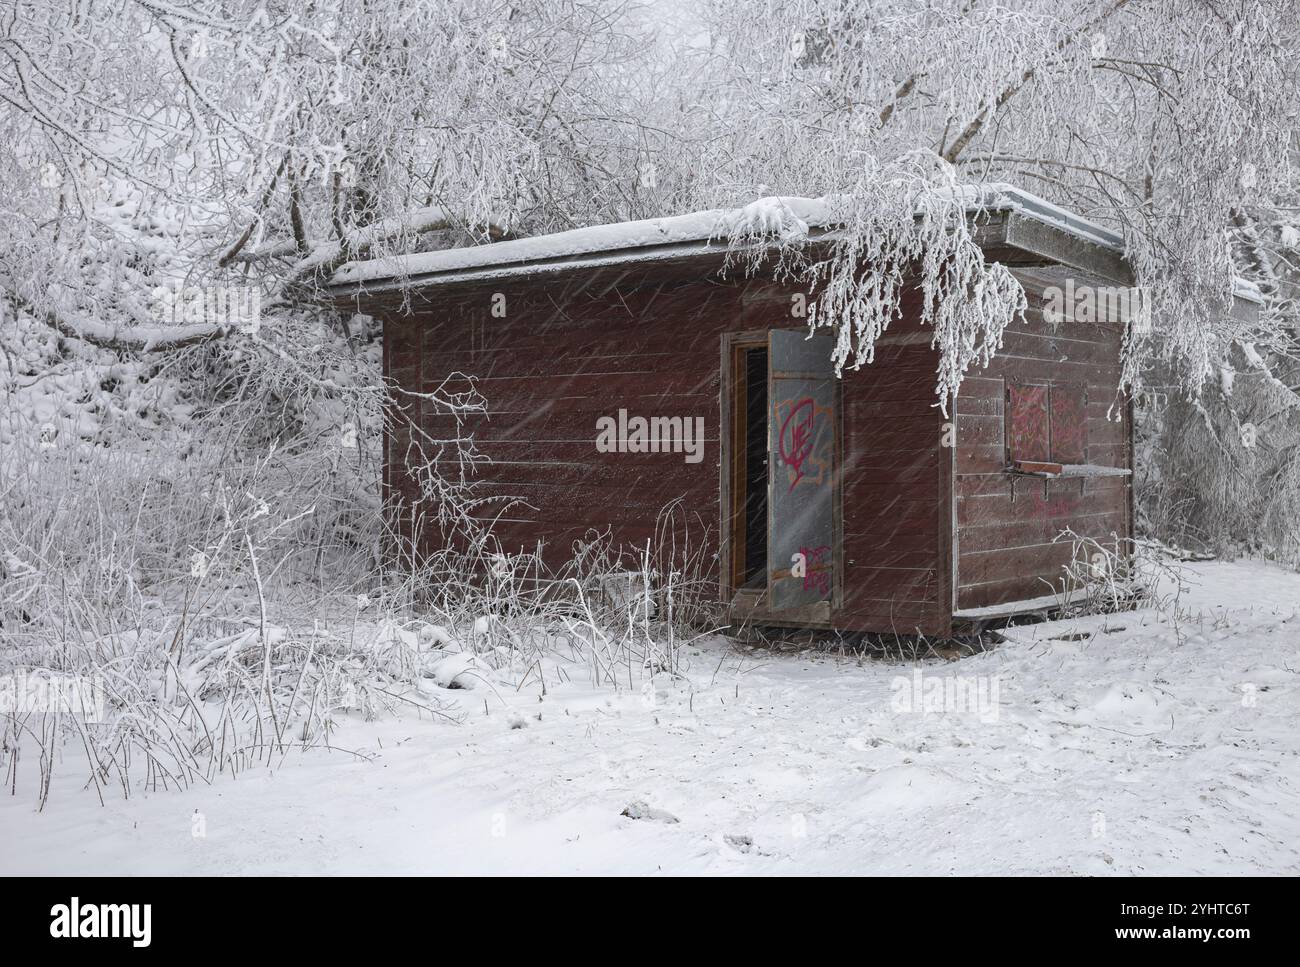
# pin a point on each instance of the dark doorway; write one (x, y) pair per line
(755, 464)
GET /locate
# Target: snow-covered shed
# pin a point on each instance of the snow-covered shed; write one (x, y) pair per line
(624, 370)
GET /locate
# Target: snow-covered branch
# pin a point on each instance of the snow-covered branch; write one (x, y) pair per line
(115, 336)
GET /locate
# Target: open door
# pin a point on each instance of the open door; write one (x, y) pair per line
(801, 483)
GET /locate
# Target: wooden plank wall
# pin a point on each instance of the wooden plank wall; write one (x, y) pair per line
(1006, 524)
(564, 355)
(573, 348)
(896, 524)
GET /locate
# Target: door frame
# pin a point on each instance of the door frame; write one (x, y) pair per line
(812, 616)
(731, 471)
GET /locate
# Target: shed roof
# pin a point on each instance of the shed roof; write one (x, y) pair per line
(702, 231)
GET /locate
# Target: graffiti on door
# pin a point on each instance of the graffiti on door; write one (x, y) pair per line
(817, 576)
(806, 441)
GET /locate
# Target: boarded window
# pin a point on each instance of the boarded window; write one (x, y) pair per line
(1027, 422)
(1069, 423)
(1047, 424)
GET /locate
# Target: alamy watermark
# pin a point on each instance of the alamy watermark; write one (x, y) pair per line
(927, 695)
(123, 921)
(1087, 303)
(38, 692)
(655, 434)
(230, 306)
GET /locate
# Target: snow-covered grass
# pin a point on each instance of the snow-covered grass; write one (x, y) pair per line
(218, 582)
(1137, 743)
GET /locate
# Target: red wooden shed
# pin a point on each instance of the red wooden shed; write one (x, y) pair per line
(624, 370)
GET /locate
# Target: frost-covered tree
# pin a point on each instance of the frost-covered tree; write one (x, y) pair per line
(277, 138)
(242, 149)
(1172, 122)
(293, 134)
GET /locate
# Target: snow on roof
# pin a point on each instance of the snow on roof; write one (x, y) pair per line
(623, 237)
(786, 216)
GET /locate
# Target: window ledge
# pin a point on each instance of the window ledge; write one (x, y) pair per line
(1040, 468)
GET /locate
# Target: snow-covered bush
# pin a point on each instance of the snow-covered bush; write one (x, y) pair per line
(1107, 576)
(169, 522)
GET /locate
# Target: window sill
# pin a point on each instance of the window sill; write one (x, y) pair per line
(1040, 468)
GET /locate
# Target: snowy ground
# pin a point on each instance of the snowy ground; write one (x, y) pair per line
(1131, 744)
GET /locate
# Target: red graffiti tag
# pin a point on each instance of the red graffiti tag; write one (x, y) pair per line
(797, 437)
(820, 580)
